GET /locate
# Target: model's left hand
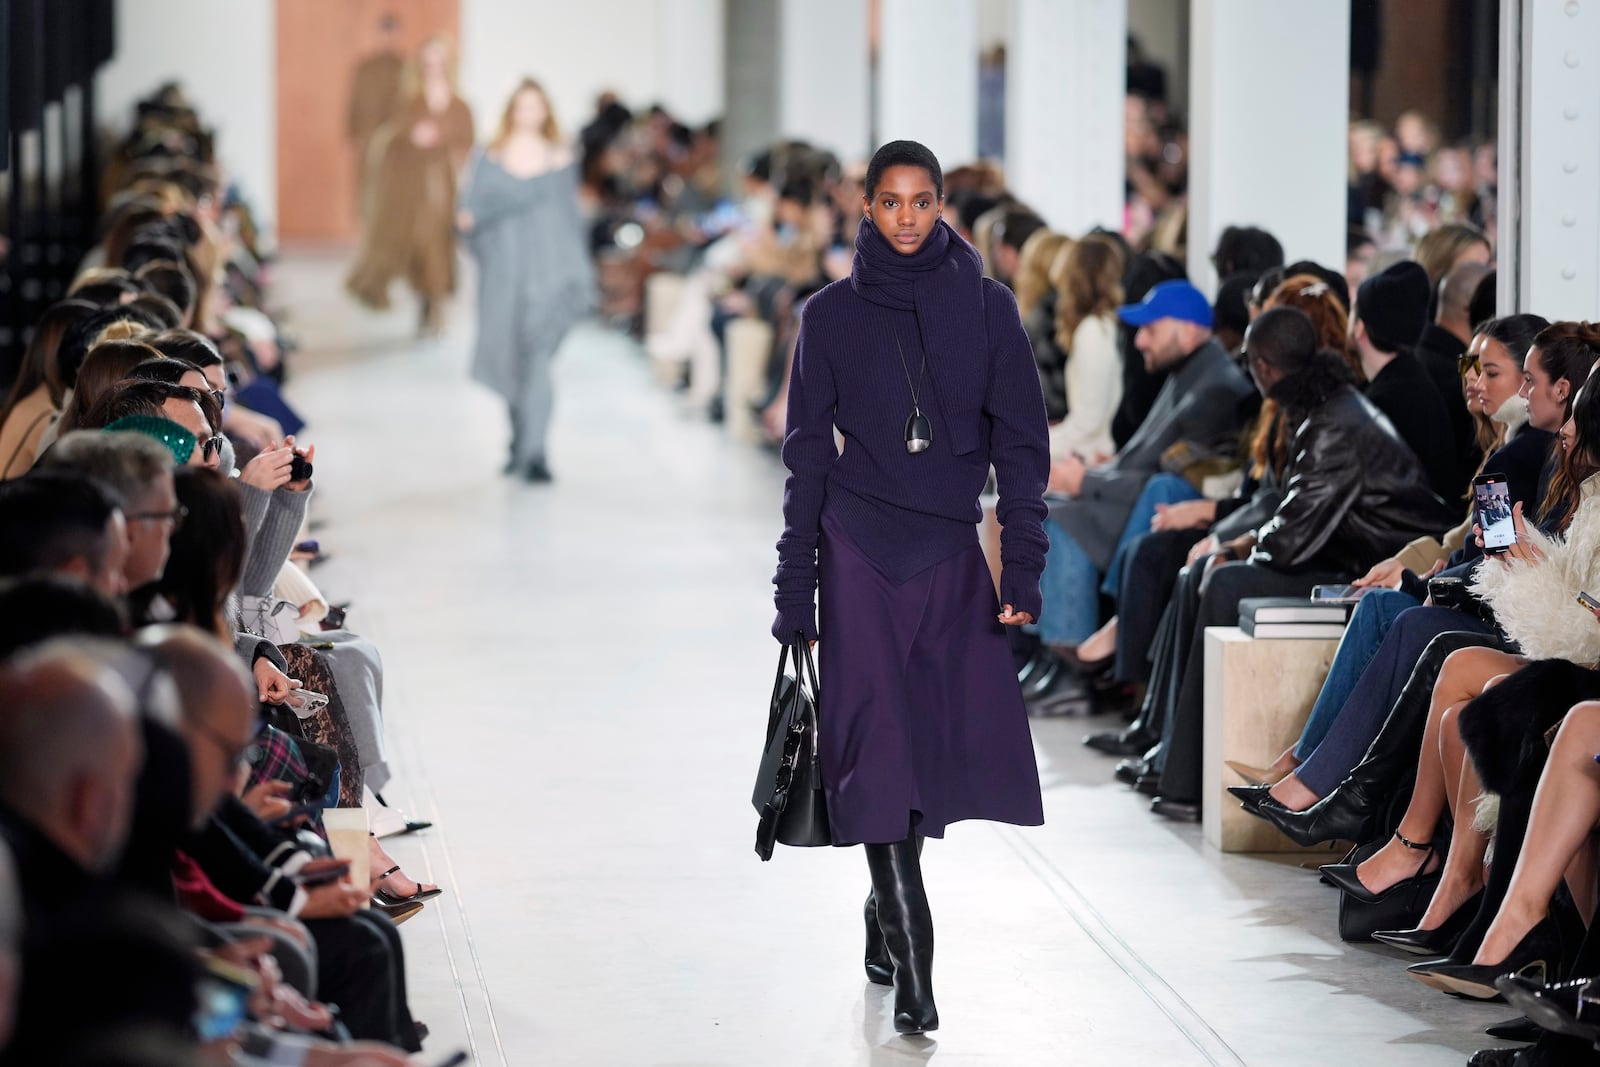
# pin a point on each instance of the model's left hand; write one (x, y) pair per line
(1012, 617)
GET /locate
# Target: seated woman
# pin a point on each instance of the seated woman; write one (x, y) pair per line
(1391, 626)
(34, 402)
(1532, 589)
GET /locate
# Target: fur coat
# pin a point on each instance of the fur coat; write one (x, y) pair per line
(1535, 603)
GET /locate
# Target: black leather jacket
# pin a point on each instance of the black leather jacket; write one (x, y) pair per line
(1353, 492)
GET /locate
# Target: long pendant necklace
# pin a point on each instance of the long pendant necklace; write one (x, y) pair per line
(919, 435)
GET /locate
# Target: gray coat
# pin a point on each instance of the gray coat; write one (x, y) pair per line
(1199, 404)
(535, 277)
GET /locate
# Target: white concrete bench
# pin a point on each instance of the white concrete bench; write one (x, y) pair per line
(1258, 695)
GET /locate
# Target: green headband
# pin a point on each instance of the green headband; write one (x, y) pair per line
(179, 442)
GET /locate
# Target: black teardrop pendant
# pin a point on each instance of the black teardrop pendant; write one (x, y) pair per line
(919, 435)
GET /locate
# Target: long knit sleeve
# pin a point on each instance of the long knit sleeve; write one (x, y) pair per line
(1094, 389)
(1019, 449)
(273, 538)
(809, 453)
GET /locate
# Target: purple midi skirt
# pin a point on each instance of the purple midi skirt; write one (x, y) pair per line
(921, 719)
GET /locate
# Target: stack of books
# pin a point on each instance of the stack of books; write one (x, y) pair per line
(1288, 616)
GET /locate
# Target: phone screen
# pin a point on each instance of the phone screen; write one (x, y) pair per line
(1491, 501)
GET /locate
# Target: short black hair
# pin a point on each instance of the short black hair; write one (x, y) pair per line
(1484, 301)
(37, 608)
(1283, 337)
(80, 337)
(49, 519)
(1246, 248)
(1016, 225)
(904, 154)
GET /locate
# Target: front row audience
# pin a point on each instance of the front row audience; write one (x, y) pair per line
(168, 892)
(1456, 739)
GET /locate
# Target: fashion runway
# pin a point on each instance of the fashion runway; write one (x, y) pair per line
(576, 681)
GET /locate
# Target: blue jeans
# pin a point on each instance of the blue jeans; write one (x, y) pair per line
(1068, 587)
(1373, 616)
(1160, 489)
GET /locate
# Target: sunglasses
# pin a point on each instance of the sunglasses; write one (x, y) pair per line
(1470, 362)
(211, 448)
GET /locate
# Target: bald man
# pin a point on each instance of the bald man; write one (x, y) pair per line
(1440, 348)
(69, 752)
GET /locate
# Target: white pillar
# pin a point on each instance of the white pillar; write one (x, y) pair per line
(1065, 80)
(825, 82)
(1269, 110)
(689, 58)
(1549, 239)
(928, 76)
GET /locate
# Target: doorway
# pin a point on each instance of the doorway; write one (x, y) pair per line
(319, 45)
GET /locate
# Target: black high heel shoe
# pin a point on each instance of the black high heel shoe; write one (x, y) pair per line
(1440, 941)
(880, 969)
(1251, 797)
(1537, 956)
(1344, 877)
(1343, 815)
(1570, 1008)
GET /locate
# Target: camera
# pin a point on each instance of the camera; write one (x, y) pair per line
(299, 469)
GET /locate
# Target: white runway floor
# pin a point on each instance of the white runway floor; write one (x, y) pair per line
(576, 680)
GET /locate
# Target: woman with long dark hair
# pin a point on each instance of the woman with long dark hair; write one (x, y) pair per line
(923, 365)
(520, 213)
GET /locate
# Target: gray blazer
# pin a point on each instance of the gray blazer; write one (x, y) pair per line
(1200, 404)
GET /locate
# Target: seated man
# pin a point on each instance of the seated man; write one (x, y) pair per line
(1198, 407)
(1390, 312)
(139, 471)
(1353, 494)
(69, 750)
(63, 524)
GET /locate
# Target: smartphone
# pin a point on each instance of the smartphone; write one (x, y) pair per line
(1491, 510)
(305, 702)
(223, 1000)
(323, 875)
(1588, 601)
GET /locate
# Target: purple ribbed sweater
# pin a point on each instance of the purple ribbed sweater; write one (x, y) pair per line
(907, 512)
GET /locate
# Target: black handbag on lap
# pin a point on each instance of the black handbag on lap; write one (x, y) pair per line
(788, 794)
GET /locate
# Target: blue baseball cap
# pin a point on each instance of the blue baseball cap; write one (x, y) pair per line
(1176, 299)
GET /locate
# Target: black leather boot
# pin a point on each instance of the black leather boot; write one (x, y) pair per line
(1356, 808)
(880, 970)
(907, 927)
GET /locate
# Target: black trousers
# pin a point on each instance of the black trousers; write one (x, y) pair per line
(1183, 739)
(1149, 575)
(361, 968)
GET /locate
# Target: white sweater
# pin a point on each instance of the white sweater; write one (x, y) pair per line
(1535, 603)
(1094, 389)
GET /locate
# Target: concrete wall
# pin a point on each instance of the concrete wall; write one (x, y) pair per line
(223, 52)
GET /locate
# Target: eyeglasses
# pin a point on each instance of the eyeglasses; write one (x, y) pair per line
(227, 745)
(175, 516)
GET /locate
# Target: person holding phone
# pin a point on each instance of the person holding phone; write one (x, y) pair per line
(923, 365)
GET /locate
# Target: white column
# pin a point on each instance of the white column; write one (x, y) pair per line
(928, 76)
(689, 57)
(1065, 79)
(825, 79)
(1269, 109)
(1549, 240)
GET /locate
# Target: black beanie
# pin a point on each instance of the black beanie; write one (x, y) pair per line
(1394, 305)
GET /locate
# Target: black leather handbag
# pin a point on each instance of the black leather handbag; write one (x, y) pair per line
(1399, 908)
(788, 794)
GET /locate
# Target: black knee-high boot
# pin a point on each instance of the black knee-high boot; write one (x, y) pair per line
(1360, 807)
(907, 927)
(880, 969)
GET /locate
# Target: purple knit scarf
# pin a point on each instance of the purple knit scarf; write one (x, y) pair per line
(942, 282)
